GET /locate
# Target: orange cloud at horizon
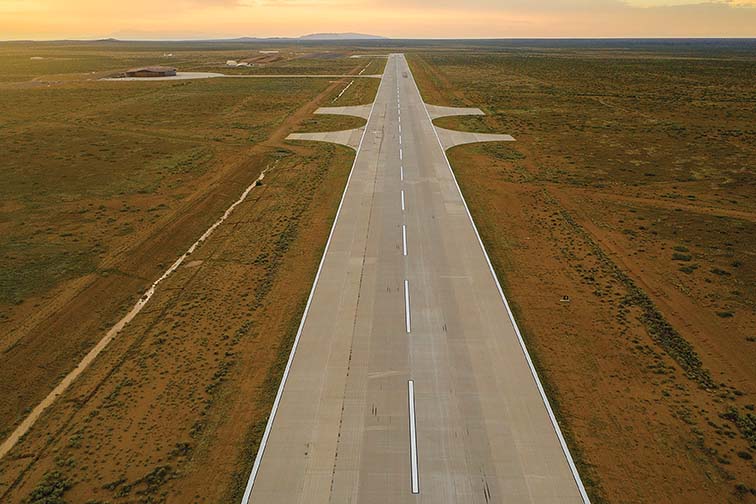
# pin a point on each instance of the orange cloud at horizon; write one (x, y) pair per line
(147, 19)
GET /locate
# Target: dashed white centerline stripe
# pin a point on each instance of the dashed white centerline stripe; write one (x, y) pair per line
(404, 238)
(415, 480)
(407, 306)
(401, 173)
(402, 200)
(400, 154)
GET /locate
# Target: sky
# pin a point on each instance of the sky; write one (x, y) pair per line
(196, 19)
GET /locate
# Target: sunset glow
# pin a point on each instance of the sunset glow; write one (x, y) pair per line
(192, 19)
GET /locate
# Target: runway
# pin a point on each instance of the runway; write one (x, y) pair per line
(409, 381)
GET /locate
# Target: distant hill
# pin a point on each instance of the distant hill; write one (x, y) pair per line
(341, 36)
(145, 37)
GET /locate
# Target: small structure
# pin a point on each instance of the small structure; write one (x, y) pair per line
(234, 63)
(151, 71)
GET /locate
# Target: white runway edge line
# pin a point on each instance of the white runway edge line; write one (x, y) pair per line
(279, 393)
(565, 450)
(407, 324)
(404, 238)
(414, 478)
(30, 420)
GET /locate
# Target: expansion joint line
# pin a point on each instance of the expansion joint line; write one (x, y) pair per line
(354, 331)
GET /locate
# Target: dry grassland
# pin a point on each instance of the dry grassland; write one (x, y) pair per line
(104, 185)
(631, 189)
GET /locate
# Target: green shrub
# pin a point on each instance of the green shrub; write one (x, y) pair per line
(50, 489)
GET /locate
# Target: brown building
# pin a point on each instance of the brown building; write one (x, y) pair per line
(152, 71)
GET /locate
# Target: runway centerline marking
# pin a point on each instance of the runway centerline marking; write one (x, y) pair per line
(415, 480)
(401, 173)
(404, 238)
(407, 307)
(402, 200)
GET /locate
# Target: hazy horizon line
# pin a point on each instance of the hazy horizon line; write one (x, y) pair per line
(379, 38)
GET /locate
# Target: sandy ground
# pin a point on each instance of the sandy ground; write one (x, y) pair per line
(604, 311)
(113, 332)
(208, 340)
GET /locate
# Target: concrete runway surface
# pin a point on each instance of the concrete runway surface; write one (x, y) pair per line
(409, 381)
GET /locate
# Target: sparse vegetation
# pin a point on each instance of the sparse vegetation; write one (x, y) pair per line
(690, 268)
(629, 190)
(146, 416)
(609, 194)
(50, 490)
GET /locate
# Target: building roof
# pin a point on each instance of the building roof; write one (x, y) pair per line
(156, 69)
